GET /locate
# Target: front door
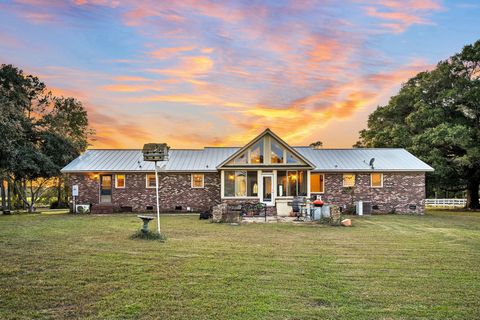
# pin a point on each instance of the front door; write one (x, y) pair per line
(268, 196)
(106, 188)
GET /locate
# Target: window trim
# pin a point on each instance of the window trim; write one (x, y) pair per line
(124, 180)
(146, 181)
(354, 180)
(381, 180)
(323, 182)
(203, 180)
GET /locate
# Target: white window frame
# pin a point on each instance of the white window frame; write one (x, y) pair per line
(203, 180)
(354, 179)
(381, 180)
(124, 180)
(146, 181)
(323, 182)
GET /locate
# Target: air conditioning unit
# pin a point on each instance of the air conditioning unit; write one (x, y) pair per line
(363, 207)
(82, 208)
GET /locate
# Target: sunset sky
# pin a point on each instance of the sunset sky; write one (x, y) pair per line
(198, 73)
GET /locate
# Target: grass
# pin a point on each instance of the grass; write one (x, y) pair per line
(392, 267)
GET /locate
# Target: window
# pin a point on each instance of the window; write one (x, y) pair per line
(348, 180)
(317, 182)
(291, 183)
(150, 180)
(276, 155)
(119, 181)
(376, 180)
(241, 159)
(291, 158)
(256, 153)
(252, 183)
(240, 184)
(197, 180)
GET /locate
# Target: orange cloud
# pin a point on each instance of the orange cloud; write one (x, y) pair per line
(165, 53)
(401, 14)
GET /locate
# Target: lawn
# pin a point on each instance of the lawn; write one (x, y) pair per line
(391, 267)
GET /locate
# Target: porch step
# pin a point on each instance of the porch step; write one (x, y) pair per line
(102, 208)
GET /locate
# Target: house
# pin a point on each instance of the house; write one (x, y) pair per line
(265, 170)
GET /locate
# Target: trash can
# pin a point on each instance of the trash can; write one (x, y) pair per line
(317, 209)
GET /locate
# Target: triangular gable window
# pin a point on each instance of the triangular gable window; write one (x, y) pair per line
(291, 159)
(256, 152)
(241, 159)
(276, 152)
(266, 150)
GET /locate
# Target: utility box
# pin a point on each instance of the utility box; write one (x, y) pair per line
(363, 208)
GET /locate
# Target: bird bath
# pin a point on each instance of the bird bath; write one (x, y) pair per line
(146, 220)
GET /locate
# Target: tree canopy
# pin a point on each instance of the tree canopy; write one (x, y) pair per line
(436, 116)
(40, 133)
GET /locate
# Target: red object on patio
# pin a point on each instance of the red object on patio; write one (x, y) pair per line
(318, 203)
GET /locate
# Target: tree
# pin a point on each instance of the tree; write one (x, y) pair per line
(316, 145)
(42, 133)
(436, 116)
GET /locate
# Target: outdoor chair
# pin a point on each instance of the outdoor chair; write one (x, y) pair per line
(299, 207)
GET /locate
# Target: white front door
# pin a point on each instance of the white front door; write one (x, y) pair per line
(268, 190)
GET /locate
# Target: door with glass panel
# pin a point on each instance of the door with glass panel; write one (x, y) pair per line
(106, 188)
(268, 196)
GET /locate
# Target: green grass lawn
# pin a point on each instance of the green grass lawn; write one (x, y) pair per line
(390, 267)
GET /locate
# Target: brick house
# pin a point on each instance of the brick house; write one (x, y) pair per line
(265, 170)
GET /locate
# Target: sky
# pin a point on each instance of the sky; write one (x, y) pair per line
(217, 73)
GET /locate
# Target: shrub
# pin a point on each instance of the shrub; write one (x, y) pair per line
(149, 235)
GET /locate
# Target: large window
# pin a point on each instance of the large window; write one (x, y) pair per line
(150, 180)
(197, 180)
(241, 183)
(348, 180)
(119, 181)
(276, 155)
(376, 180)
(291, 158)
(291, 183)
(256, 153)
(317, 182)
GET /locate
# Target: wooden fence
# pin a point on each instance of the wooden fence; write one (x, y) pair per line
(445, 203)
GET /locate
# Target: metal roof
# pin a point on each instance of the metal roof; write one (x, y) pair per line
(132, 160)
(356, 160)
(207, 159)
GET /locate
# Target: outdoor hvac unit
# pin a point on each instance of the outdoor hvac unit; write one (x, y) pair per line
(82, 208)
(363, 207)
(155, 152)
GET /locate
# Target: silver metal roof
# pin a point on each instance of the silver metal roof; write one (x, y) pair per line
(201, 160)
(356, 160)
(207, 159)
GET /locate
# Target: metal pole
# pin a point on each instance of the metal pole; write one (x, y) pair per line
(158, 201)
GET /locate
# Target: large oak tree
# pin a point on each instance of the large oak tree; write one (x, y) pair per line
(40, 133)
(436, 116)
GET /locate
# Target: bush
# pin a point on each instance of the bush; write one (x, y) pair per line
(149, 235)
(58, 205)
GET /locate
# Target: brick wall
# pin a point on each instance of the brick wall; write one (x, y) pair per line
(399, 191)
(175, 191)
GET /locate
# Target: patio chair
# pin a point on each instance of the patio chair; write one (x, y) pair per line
(299, 207)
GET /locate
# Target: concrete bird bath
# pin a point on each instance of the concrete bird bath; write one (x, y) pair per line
(146, 220)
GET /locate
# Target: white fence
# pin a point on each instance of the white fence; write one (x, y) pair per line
(446, 203)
